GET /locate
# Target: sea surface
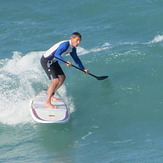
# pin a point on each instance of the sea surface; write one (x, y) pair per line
(116, 120)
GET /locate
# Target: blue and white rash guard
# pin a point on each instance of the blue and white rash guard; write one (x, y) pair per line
(61, 49)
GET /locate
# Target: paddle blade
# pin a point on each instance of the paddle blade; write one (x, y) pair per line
(99, 77)
(102, 77)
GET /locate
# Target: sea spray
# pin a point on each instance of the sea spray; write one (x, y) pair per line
(21, 78)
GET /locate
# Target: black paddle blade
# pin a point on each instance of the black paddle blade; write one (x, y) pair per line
(99, 77)
(102, 77)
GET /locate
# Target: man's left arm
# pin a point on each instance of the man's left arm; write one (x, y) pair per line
(76, 59)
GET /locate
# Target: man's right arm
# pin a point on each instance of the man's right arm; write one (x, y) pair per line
(60, 50)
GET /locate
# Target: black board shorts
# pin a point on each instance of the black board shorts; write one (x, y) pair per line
(51, 69)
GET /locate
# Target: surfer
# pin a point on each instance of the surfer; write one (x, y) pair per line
(52, 68)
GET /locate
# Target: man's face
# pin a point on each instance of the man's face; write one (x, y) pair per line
(75, 41)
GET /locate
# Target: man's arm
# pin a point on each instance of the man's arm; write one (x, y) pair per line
(61, 49)
(76, 59)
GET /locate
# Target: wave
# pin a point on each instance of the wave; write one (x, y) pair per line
(21, 77)
(108, 46)
(158, 38)
(105, 46)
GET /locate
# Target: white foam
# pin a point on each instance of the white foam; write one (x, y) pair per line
(157, 39)
(21, 77)
(68, 100)
(105, 46)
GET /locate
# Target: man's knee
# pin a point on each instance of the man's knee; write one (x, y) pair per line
(62, 78)
(55, 81)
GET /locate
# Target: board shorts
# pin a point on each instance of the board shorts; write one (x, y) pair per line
(51, 69)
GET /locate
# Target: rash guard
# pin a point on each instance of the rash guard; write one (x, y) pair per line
(61, 49)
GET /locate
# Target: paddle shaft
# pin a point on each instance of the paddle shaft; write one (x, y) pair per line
(99, 78)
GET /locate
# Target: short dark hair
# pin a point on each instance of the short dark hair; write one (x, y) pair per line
(76, 34)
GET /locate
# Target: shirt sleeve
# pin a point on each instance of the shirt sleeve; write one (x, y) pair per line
(76, 59)
(61, 49)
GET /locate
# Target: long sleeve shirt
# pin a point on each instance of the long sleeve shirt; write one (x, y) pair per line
(61, 49)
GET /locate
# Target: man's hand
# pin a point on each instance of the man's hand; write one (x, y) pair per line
(86, 71)
(69, 64)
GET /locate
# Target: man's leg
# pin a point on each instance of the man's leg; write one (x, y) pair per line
(61, 81)
(50, 92)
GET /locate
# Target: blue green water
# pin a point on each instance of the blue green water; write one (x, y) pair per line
(117, 120)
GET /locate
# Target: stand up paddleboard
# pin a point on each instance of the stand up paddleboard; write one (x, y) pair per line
(43, 114)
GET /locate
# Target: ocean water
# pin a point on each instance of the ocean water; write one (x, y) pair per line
(117, 120)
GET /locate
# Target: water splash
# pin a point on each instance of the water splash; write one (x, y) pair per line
(158, 38)
(21, 77)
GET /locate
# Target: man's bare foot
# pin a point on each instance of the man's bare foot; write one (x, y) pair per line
(49, 105)
(55, 99)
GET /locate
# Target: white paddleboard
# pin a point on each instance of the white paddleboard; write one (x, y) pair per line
(42, 114)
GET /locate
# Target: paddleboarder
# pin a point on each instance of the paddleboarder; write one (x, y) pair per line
(50, 63)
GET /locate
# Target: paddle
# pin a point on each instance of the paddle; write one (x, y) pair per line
(97, 77)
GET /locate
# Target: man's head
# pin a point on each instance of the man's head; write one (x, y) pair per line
(75, 39)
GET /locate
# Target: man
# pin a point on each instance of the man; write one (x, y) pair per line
(52, 68)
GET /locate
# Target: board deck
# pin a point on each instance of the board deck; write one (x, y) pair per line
(42, 114)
